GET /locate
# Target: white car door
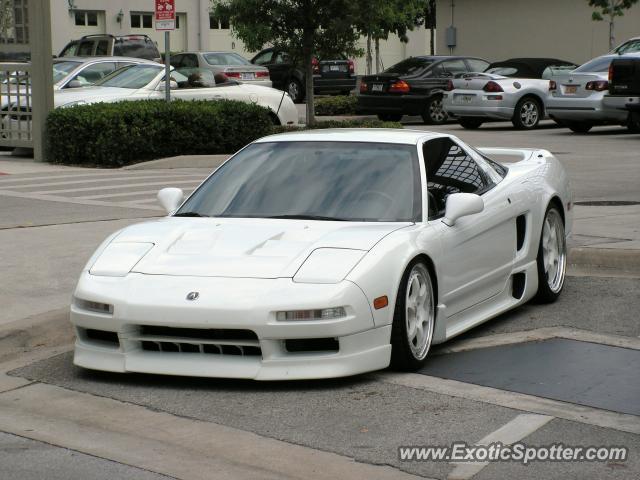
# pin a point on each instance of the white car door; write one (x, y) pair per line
(478, 250)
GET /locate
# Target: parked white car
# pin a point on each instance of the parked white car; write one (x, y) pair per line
(576, 99)
(514, 89)
(323, 254)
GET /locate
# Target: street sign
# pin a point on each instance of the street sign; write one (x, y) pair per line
(165, 15)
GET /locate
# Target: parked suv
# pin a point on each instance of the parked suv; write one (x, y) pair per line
(137, 46)
(624, 89)
(414, 87)
(329, 75)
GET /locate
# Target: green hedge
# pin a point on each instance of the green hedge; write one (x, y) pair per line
(340, 105)
(122, 133)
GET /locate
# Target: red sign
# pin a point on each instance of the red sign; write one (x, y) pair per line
(165, 14)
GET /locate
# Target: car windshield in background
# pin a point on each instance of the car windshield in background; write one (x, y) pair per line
(225, 58)
(410, 66)
(62, 69)
(600, 64)
(631, 46)
(134, 76)
(504, 71)
(135, 47)
(372, 182)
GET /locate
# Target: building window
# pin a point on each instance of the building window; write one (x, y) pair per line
(177, 21)
(141, 20)
(218, 23)
(85, 18)
(14, 28)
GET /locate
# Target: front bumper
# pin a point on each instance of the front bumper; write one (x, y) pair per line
(619, 102)
(141, 301)
(390, 103)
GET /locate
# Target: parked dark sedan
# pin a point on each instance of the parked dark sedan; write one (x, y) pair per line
(335, 75)
(414, 87)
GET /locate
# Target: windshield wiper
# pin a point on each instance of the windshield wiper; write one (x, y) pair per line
(189, 214)
(309, 217)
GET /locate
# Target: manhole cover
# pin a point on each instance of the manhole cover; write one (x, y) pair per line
(584, 373)
(607, 203)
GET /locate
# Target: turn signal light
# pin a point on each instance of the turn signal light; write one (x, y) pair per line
(449, 86)
(324, 314)
(399, 87)
(262, 74)
(492, 87)
(552, 85)
(380, 302)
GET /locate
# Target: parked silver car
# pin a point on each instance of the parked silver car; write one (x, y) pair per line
(234, 66)
(576, 99)
(514, 89)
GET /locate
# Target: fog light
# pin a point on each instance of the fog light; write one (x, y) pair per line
(323, 314)
(94, 306)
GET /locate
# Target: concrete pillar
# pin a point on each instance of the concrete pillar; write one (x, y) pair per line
(203, 31)
(41, 72)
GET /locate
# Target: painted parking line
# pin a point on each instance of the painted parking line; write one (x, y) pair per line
(114, 187)
(520, 427)
(116, 180)
(128, 174)
(60, 199)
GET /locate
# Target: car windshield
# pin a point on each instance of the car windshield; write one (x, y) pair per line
(225, 58)
(410, 66)
(631, 46)
(62, 69)
(600, 64)
(133, 76)
(354, 181)
(504, 71)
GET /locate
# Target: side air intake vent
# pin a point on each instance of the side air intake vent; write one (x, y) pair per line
(517, 284)
(521, 231)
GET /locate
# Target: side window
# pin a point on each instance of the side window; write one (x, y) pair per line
(264, 58)
(281, 57)
(476, 65)
(102, 47)
(94, 73)
(85, 49)
(450, 169)
(454, 67)
(176, 61)
(189, 61)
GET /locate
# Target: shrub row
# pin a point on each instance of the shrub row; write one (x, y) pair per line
(122, 133)
(333, 106)
(112, 135)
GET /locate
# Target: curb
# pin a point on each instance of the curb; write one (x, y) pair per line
(181, 161)
(614, 259)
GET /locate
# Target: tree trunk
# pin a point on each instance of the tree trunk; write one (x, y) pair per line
(432, 39)
(612, 39)
(307, 51)
(378, 55)
(369, 59)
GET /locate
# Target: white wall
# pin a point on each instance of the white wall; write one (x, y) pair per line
(501, 29)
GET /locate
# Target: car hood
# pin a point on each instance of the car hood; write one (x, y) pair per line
(248, 248)
(91, 95)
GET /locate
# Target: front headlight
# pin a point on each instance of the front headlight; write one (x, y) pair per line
(321, 314)
(118, 258)
(328, 265)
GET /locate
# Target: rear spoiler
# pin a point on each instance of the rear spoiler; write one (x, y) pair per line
(520, 153)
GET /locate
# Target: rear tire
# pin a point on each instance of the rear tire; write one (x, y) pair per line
(390, 117)
(434, 113)
(633, 122)
(579, 127)
(527, 114)
(470, 123)
(413, 318)
(295, 90)
(552, 257)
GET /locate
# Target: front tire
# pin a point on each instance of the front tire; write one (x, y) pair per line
(295, 90)
(434, 113)
(633, 122)
(527, 114)
(470, 123)
(413, 319)
(552, 257)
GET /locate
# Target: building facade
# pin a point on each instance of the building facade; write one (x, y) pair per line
(196, 29)
(502, 29)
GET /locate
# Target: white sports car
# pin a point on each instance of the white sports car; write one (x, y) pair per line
(323, 254)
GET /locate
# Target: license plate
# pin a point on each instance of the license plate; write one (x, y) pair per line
(570, 89)
(248, 76)
(376, 87)
(334, 68)
(465, 98)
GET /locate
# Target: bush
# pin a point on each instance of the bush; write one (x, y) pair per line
(122, 133)
(331, 106)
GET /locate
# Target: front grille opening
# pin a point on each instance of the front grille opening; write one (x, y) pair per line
(304, 345)
(198, 333)
(521, 230)
(102, 336)
(517, 284)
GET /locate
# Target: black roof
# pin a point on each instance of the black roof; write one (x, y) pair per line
(531, 67)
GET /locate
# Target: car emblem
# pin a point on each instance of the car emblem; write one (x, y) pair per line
(193, 295)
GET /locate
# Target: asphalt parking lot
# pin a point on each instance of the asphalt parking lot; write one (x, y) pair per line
(58, 421)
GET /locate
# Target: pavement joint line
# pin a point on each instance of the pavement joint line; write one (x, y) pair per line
(55, 198)
(98, 180)
(161, 442)
(515, 430)
(109, 174)
(141, 219)
(113, 187)
(538, 334)
(518, 401)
